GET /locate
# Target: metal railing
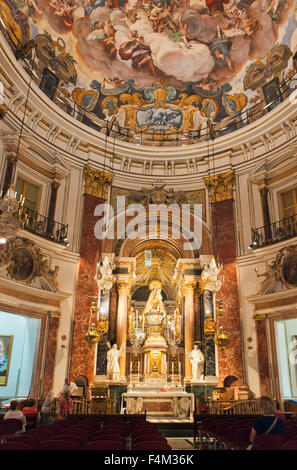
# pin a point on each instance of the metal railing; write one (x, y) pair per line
(275, 232)
(241, 407)
(102, 406)
(43, 226)
(176, 137)
(150, 137)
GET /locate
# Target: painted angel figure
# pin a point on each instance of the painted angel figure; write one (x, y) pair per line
(113, 355)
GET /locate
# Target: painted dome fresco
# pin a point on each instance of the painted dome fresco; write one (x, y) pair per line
(154, 63)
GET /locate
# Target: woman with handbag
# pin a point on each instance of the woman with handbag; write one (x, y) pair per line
(266, 424)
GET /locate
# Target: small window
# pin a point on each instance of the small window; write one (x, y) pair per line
(289, 202)
(49, 83)
(29, 191)
(148, 257)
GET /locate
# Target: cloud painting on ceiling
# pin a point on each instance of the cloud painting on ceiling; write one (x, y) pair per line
(201, 48)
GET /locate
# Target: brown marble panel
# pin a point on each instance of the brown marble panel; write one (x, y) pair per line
(50, 355)
(263, 363)
(157, 406)
(82, 360)
(224, 245)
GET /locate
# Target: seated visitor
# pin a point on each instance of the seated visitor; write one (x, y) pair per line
(29, 408)
(280, 414)
(15, 413)
(266, 424)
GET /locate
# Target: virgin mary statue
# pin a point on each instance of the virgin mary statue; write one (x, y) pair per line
(154, 303)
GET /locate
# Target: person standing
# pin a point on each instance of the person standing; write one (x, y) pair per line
(65, 406)
(70, 387)
(46, 409)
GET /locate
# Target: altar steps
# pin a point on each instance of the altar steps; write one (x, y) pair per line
(178, 430)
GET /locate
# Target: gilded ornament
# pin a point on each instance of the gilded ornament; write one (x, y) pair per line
(221, 186)
(97, 182)
(209, 326)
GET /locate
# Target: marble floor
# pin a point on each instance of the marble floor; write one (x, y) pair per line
(180, 443)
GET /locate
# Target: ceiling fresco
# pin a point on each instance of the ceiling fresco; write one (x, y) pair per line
(158, 64)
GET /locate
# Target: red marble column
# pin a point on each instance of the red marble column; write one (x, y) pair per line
(224, 243)
(263, 363)
(50, 357)
(82, 359)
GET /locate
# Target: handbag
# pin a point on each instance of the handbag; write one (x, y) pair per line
(271, 426)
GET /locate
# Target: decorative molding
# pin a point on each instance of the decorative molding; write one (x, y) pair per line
(97, 182)
(281, 274)
(221, 186)
(55, 315)
(157, 195)
(124, 285)
(259, 316)
(188, 286)
(25, 263)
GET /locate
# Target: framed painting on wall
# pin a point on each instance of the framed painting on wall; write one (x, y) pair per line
(5, 353)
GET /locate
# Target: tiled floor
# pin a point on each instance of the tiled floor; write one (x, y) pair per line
(180, 443)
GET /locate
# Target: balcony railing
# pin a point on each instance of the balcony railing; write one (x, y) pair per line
(155, 137)
(275, 232)
(43, 226)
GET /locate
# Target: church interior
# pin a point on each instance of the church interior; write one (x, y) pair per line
(148, 213)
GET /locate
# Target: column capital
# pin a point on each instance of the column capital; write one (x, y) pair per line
(97, 182)
(221, 186)
(188, 286)
(124, 286)
(12, 157)
(55, 183)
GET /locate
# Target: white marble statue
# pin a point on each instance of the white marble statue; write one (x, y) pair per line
(197, 360)
(113, 355)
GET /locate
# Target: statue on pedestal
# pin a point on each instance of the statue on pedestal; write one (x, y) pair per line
(197, 360)
(113, 355)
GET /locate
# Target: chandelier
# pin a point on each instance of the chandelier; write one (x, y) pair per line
(10, 206)
(136, 330)
(97, 327)
(173, 327)
(211, 277)
(212, 327)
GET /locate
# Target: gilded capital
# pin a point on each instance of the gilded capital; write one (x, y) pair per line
(221, 186)
(259, 316)
(188, 286)
(55, 314)
(124, 285)
(97, 182)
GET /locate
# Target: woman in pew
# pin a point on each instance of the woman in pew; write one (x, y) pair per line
(15, 413)
(268, 423)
